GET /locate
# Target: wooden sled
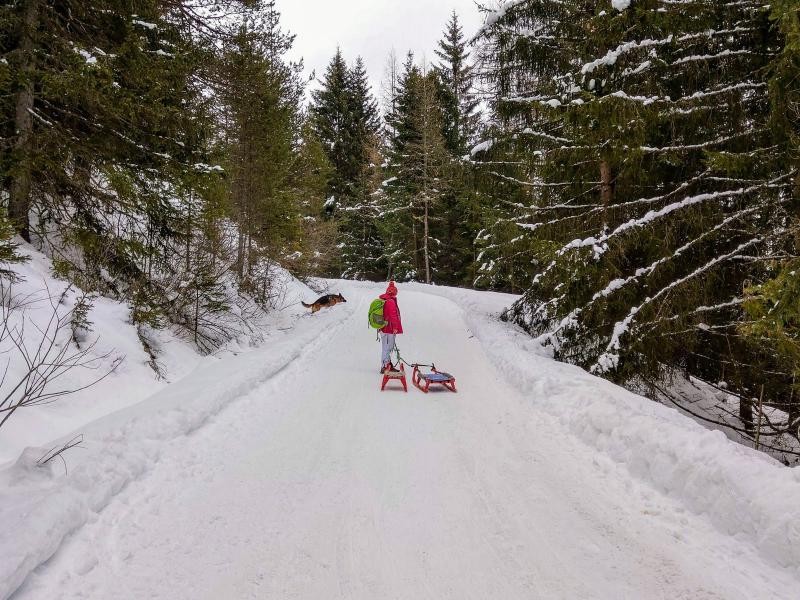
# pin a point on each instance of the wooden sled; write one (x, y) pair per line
(396, 376)
(424, 380)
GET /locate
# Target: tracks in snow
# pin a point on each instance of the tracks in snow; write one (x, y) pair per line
(317, 485)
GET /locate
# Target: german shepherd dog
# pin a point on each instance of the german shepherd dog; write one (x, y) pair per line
(325, 302)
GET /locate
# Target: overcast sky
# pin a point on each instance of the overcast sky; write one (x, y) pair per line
(370, 29)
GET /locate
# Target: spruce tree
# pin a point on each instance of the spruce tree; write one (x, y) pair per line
(364, 112)
(330, 108)
(459, 103)
(362, 248)
(260, 100)
(400, 232)
(771, 307)
(346, 120)
(106, 123)
(641, 137)
(460, 204)
(312, 254)
(419, 167)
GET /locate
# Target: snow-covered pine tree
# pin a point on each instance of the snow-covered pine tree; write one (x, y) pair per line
(365, 113)
(330, 110)
(106, 123)
(398, 228)
(521, 49)
(419, 175)
(346, 120)
(260, 103)
(785, 83)
(361, 243)
(657, 191)
(460, 113)
(773, 307)
(310, 174)
(461, 119)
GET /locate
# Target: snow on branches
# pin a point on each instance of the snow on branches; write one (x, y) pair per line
(641, 142)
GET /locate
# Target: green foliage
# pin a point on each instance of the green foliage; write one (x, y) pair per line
(460, 115)
(345, 119)
(419, 169)
(637, 180)
(141, 139)
(785, 81)
(9, 254)
(773, 311)
(311, 253)
(259, 99)
(773, 308)
(116, 125)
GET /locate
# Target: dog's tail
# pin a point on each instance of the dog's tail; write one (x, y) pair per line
(306, 305)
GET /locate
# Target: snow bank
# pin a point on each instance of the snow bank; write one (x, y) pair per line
(40, 506)
(114, 338)
(744, 493)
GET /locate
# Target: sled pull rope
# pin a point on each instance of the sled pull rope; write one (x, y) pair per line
(396, 350)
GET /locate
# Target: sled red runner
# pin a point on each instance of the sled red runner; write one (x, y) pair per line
(397, 376)
(424, 380)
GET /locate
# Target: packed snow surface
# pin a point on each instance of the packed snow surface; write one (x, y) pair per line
(286, 473)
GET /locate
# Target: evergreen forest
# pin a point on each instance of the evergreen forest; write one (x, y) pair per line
(630, 169)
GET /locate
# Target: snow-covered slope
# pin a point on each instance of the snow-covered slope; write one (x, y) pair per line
(124, 419)
(745, 493)
(115, 339)
(285, 473)
(115, 349)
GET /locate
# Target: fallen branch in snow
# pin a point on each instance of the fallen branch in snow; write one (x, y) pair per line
(58, 452)
(784, 437)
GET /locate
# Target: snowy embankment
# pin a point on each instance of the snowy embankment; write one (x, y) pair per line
(743, 492)
(111, 340)
(41, 505)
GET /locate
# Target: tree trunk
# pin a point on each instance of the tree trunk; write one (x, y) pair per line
(425, 246)
(19, 205)
(364, 257)
(240, 253)
(746, 413)
(425, 150)
(196, 314)
(793, 408)
(150, 247)
(606, 186)
(416, 245)
(189, 232)
(797, 183)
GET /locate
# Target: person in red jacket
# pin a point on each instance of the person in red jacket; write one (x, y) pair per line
(394, 326)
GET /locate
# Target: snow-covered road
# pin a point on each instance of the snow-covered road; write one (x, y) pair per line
(317, 485)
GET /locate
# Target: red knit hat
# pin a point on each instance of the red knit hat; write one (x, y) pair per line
(392, 289)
